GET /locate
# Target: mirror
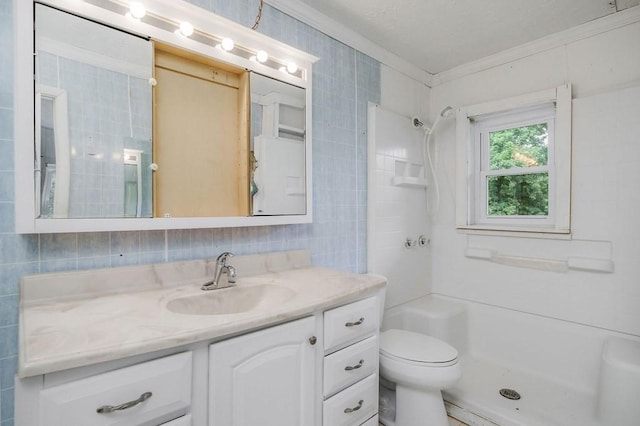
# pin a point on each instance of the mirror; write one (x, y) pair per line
(94, 132)
(96, 161)
(278, 146)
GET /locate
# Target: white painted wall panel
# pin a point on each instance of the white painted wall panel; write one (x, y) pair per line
(605, 73)
(396, 213)
(403, 94)
(604, 61)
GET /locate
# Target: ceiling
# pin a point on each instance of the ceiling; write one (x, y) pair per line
(437, 35)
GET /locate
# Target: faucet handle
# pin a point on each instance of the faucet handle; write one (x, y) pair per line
(222, 259)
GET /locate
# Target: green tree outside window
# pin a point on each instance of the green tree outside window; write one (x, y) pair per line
(525, 194)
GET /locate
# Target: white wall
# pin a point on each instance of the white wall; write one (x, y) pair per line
(403, 94)
(396, 213)
(604, 70)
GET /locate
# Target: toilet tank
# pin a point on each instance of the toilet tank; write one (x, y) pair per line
(433, 316)
(619, 386)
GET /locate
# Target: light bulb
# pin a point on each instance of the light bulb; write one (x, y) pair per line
(292, 67)
(137, 10)
(262, 56)
(186, 29)
(226, 44)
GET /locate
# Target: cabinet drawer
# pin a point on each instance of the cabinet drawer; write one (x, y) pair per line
(373, 421)
(182, 421)
(352, 406)
(348, 365)
(161, 387)
(351, 322)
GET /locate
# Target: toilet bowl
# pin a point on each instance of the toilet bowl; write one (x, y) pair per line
(420, 366)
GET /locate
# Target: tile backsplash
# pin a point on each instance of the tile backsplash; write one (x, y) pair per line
(344, 80)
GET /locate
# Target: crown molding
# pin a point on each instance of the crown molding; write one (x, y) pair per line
(323, 23)
(571, 35)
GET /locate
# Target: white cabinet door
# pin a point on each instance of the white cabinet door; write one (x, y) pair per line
(265, 378)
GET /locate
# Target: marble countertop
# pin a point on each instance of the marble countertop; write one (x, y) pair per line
(81, 318)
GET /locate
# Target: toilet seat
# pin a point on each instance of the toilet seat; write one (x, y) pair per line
(416, 348)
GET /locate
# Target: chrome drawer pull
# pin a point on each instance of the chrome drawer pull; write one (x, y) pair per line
(351, 324)
(354, 367)
(356, 408)
(111, 408)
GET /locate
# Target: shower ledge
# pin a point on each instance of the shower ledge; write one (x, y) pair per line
(408, 181)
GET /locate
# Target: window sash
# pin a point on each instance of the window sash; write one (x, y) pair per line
(482, 170)
(539, 219)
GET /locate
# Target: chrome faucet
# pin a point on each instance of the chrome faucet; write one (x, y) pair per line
(222, 269)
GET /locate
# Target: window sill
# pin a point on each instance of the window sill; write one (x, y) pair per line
(544, 233)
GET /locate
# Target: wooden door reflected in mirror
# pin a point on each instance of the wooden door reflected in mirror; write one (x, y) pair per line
(201, 116)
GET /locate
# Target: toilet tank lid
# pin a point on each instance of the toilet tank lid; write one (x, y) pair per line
(416, 347)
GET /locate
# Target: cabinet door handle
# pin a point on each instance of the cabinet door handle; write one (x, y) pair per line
(356, 408)
(352, 324)
(313, 340)
(354, 367)
(111, 408)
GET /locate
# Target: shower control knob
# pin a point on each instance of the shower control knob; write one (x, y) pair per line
(313, 340)
(409, 243)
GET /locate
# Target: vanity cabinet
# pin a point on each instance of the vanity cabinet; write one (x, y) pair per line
(265, 378)
(289, 344)
(320, 370)
(350, 367)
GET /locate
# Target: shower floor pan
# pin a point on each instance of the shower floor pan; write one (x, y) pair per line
(476, 398)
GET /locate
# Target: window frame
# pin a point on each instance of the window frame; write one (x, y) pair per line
(472, 154)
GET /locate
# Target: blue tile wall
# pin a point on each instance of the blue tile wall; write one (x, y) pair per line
(344, 80)
(102, 122)
(12, 265)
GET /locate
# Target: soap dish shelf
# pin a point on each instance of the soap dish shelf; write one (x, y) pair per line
(407, 181)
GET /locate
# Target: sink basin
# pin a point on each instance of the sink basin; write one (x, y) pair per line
(232, 300)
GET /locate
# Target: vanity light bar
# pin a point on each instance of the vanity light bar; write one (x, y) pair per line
(136, 10)
(261, 56)
(186, 29)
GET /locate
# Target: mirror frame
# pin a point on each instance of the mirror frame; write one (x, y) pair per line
(26, 221)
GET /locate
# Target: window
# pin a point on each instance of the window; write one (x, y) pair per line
(514, 164)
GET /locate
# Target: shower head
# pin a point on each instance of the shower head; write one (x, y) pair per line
(446, 112)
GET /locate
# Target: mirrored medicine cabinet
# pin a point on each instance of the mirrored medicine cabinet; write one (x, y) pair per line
(130, 125)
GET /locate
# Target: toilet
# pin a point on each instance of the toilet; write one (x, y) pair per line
(420, 366)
